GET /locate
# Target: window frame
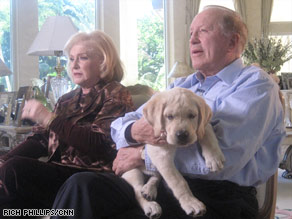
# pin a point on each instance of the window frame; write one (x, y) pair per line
(281, 29)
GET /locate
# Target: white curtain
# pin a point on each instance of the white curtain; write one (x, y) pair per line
(267, 6)
(192, 9)
(240, 7)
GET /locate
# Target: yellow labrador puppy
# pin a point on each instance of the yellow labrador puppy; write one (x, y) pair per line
(184, 117)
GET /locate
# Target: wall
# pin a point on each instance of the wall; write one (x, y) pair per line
(107, 18)
(177, 32)
(24, 29)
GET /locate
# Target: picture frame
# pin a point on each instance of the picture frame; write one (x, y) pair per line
(286, 80)
(7, 100)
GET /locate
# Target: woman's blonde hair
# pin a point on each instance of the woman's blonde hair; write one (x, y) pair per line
(99, 43)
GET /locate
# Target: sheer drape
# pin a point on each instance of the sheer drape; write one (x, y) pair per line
(267, 6)
(240, 7)
(192, 9)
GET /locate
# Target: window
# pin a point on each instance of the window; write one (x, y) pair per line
(287, 66)
(281, 25)
(5, 40)
(224, 3)
(142, 42)
(82, 14)
(281, 11)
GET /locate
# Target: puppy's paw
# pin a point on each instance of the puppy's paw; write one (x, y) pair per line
(215, 162)
(152, 210)
(192, 206)
(149, 192)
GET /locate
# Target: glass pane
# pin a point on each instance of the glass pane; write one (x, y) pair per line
(142, 42)
(224, 3)
(5, 41)
(82, 14)
(281, 10)
(287, 67)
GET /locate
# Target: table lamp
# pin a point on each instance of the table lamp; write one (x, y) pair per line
(4, 70)
(50, 41)
(179, 69)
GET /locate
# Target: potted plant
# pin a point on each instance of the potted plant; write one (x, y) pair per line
(269, 53)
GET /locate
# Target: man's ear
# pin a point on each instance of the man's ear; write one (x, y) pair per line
(234, 41)
(153, 113)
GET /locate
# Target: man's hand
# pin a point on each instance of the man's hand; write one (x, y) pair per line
(37, 112)
(143, 132)
(127, 158)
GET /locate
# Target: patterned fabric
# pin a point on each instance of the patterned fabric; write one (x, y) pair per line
(79, 136)
(81, 129)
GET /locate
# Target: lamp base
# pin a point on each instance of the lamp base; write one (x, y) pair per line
(59, 86)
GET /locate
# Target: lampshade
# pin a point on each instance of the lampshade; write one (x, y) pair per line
(179, 69)
(4, 71)
(52, 37)
(50, 41)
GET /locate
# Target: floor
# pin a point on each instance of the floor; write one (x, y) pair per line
(284, 197)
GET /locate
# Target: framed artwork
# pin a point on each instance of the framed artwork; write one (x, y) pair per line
(288, 107)
(7, 100)
(286, 80)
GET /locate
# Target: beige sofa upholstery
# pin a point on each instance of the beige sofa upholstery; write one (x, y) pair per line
(140, 94)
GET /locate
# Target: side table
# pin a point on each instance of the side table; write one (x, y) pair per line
(286, 163)
(11, 136)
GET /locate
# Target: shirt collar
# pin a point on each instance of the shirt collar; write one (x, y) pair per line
(227, 74)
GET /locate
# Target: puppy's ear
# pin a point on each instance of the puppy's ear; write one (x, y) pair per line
(153, 113)
(205, 114)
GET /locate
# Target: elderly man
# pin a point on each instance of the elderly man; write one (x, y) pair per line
(247, 119)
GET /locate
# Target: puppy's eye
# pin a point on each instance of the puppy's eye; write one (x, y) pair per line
(191, 116)
(170, 117)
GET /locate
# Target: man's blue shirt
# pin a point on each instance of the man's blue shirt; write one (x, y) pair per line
(247, 119)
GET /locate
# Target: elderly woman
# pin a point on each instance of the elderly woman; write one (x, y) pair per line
(76, 136)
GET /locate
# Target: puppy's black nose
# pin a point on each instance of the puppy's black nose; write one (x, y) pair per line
(182, 135)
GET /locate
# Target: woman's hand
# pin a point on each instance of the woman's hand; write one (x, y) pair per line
(127, 158)
(37, 112)
(143, 132)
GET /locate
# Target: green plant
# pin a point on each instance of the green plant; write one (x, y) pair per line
(270, 53)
